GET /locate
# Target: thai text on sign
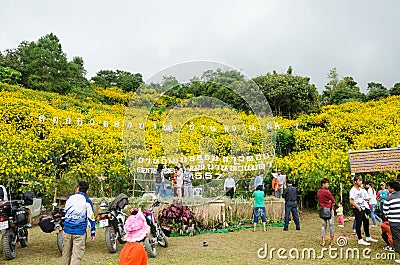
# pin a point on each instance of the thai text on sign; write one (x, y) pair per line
(375, 160)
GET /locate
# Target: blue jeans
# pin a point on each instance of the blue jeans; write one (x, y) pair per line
(374, 216)
(160, 189)
(291, 206)
(259, 212)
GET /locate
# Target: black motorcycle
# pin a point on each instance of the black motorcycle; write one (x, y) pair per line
(157, 234)
(14, 224)
(113, 221)
(55, 223)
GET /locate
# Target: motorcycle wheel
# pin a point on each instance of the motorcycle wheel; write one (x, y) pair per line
(24, 241)
(60, 236)
(150, 246)
(162, 239)
(111, 239)
(8, 245)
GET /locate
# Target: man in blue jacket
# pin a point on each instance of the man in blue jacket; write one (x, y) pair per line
(78, 213)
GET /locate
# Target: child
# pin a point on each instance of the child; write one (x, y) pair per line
(386, 234)
(382, 194)
(259, 207)
(339, 212)
(136, 231)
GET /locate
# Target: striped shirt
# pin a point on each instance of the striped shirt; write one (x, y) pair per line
(391, 208)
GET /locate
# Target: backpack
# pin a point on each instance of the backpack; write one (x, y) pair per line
(158, 177)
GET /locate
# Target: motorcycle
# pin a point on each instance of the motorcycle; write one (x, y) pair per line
(156, 235)
(55, 223)
(14, 223)
(113, 221)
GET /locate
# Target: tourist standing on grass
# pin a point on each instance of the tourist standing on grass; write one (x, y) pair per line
(282, 182)
(179, 181)
(386, 234)
(357, 200)
(188, 183)
(136, 229)
(229, 186)
(326, 200)
(382, 194)
(259, 180)
(290, 196)
(259, 207)
(160, 187)
(275, 186)
(391, 210)
(79, 214)
(340, 216)
(369, 186)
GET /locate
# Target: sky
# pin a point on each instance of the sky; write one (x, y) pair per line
(359, 37)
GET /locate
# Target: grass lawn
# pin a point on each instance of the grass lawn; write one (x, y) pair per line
(239, 247)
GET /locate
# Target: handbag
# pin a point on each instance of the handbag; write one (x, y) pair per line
(325, 213)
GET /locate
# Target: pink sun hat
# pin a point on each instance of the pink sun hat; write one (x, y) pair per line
(136, 227)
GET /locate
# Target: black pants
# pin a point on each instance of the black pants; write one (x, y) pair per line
(395, 230)
(230, 192)
(361, 219)
(385, 238)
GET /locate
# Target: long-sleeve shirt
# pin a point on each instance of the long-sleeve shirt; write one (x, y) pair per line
(275, 184)
(290, 193)
(325, 198)
(391, 208)
(78, 212)
(339, 210)
(258, 181)
(372, 196)
(229, 183)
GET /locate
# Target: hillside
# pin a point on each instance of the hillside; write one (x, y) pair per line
(309, 148)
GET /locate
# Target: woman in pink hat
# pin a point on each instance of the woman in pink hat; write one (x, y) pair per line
(136, 231)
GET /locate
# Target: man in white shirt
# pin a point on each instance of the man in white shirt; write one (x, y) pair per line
(358, 201)
(229, 185)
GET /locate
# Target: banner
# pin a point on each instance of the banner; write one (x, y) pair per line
(377, 160)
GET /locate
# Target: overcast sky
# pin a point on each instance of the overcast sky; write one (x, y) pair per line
(360, 38)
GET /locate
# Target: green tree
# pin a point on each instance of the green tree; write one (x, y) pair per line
(76, 73)
(9, 75)
(376, 91)
(122, 79)
(395, 90)
(288, 94)
(44, 66)
(339, 91)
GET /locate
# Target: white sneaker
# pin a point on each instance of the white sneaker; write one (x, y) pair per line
(362, 242)
(388, 248)
(397, 260)
(341, 225)
(370, 239)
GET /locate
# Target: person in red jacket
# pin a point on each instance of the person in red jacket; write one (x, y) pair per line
(386, 234)
(136, 231)
(326, 200)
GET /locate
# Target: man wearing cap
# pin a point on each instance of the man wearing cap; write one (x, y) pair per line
(78, 214)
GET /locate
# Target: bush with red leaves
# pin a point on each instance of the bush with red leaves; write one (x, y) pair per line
(178, 217)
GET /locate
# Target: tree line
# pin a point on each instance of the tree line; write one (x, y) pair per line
(42, 65)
